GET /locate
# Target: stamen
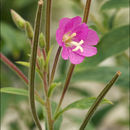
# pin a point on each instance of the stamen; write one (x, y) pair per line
(73, 35)
(67, 38)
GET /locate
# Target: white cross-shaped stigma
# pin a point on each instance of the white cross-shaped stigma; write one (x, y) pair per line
(78, 45)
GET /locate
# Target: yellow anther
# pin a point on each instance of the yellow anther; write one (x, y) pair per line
(68, 38)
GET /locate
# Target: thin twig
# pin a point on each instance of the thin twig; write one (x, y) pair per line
(98, 100)
(33, 63)
(55, 64)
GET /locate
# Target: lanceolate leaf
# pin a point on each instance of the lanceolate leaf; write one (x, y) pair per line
(15, 91)
(113, 43)
(115, 4)
(103, 74)
(26, 64)
(20, 92)
(84, 103)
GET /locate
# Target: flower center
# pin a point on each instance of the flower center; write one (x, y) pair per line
(67, 39)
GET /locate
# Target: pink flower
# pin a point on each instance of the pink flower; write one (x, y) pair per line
(76, 39)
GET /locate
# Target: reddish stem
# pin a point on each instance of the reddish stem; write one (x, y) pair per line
(55, 64)
(13, 67)
(44, 54)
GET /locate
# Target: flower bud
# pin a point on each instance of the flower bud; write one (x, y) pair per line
(18, 20)
(42, 42)
(29, 30)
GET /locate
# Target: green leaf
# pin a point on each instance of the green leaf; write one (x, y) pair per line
(15, 91)
(112, 43)
(115, 4)
(23, 63)
(27, 64)
(21, 92)
(122, 60)
(103, 75)
(52, 87)
(84, 103)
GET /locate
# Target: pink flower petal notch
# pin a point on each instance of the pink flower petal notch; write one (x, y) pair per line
(76, 39)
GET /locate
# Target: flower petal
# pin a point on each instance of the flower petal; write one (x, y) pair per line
(81, 32)
(88, 51)
(72, 23)
(63, 22)
(60, 30)
(59, 36)
(65, 53)
(92, 38)
(75, 58)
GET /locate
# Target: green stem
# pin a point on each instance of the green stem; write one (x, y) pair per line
(33, 63)
(48, 104)
(55, 64)
(71, 69)
(48, 21)
(98, 100)
(49, 114)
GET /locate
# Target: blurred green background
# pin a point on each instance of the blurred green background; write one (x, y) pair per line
(110, 18)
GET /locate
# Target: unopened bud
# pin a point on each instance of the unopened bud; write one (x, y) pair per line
(29, 30)
(18, 20)
(42, 42)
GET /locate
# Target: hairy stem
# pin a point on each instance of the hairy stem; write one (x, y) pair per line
(33, 63)
(98, 100)
(55, 64)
